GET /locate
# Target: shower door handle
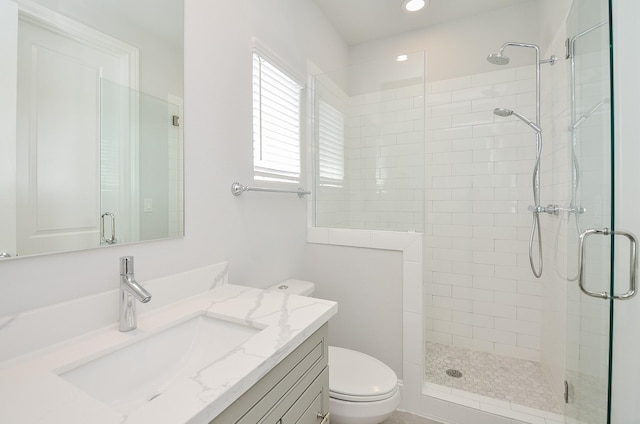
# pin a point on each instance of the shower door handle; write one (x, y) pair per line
(633, 266)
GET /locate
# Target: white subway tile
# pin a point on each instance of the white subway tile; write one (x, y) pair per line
(396, 105)
(471, 343)
(526, 99)
(495, 233)
(526, 72)
(438, 337)
(463, 414)
(496, 336)
(497, 129)
(453, 157)
(437, 123)
(517, 299)
(476, 143)
(532, 315)
(529, 342)
(481, 219)
(451, 133)
(451, 182)
(438, 289)
(453, 255)
(472, 319)
(517, 352)
(494, 258)
(495, 181)
(472, 294)
(453, 304)
(451, 84)
(449, 109)
(452, 231)
(495, 310)
(520, 327)
(436, 99)
(514, 87)
(497, 284)
(474, 118)
(453, 328)
(481, 168)
(495, 155)
(438, 313)
(506, 102)
(494, 77)
(473, 93)
(452, 279)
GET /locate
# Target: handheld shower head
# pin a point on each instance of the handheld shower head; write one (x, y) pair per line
(499, 111)
(498, 58)
(508, 112)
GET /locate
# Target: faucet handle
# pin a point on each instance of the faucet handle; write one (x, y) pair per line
(126, 265)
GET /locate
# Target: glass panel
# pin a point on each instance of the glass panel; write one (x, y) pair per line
(588, 321)
(141, 166)
(369, 164)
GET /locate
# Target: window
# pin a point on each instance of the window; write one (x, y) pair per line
(276, 123)
(330, 145)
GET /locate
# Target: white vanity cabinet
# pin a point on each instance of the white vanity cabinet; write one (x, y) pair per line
(296, 391)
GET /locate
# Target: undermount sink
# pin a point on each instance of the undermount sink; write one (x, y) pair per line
(136, 373)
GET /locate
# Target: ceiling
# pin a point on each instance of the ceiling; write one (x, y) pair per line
(359, 21)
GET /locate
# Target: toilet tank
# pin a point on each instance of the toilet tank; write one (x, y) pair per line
(292, 286)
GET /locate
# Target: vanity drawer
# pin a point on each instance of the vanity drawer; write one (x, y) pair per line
(312, 405)
(274, 395)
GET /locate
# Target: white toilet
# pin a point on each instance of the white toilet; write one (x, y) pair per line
(362, 390)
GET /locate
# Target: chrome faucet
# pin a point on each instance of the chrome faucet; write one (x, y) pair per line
(129, 289)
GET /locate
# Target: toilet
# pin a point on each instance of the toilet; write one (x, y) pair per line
(362, 390)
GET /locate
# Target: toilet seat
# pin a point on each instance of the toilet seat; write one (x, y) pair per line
(358, 377)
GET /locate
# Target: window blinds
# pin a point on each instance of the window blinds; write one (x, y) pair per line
(330, 144)
(276, 123)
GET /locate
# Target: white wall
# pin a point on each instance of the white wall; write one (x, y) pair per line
(261, 235)
(460, 47)
(367, 284)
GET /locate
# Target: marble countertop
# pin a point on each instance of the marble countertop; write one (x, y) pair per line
(32, 392)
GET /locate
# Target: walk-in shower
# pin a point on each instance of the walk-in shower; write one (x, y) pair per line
(500, 59)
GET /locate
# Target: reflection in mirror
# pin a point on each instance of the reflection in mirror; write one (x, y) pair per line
(91, 146)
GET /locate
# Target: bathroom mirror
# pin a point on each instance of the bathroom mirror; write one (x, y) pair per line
(90, 124)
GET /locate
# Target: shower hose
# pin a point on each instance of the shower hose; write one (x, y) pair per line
(537, 208)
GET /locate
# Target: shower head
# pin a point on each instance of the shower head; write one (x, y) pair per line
(502, 112)
(498, 58)
(508, 112)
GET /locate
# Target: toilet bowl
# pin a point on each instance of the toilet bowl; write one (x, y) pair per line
(362, 389)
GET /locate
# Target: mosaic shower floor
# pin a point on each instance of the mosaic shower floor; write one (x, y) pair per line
(509, 379)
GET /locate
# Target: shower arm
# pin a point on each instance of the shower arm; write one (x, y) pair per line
(552, 60)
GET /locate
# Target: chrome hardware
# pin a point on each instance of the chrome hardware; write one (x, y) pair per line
(566, 391)
(4, 255)
(130, 290)
(633, 267)
(112, 239)
(324, 418)
(175, 120)
(237, 189)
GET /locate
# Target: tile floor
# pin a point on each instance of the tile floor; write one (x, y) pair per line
(499, 377)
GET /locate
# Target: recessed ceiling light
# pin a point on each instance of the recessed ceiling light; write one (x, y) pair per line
(402, 58)
(413, 5)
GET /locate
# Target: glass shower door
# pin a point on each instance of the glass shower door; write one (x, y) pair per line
(590, 253)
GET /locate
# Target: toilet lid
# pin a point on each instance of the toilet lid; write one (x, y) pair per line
(356, 376)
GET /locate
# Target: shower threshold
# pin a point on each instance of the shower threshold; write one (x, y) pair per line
(510, 387)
